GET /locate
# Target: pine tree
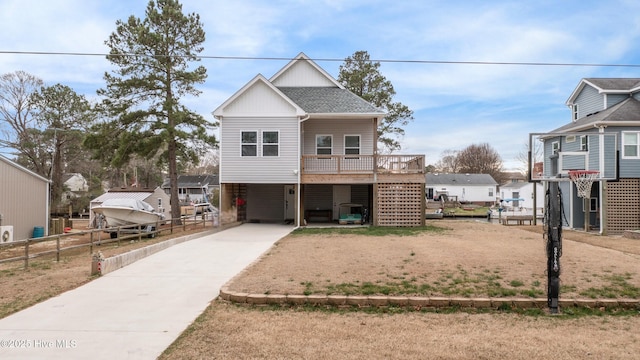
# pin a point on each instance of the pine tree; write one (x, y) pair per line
(142, 98)
(362, 77)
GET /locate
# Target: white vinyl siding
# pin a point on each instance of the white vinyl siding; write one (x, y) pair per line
(302, 73)
(259, 169)
(339, 129)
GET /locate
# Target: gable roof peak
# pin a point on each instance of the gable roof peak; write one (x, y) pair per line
(303, 57)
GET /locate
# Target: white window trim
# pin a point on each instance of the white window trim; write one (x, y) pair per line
(256, 144)
(262, 144)
(555, 147)
(575, 112)
(584, 143)
(359, 143)
(316, 144)
(637, 144)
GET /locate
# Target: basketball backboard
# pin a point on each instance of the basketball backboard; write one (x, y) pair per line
(552, 155)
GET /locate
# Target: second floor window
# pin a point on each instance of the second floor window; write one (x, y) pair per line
(324, 144)
(249, 143)
(575, 112)
(555, 147)
(584, 143)
(270, 143)
(630, 145)
(352, 144)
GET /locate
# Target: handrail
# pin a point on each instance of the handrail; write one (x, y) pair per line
(363, 164)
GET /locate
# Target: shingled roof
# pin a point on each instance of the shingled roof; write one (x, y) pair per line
(328, 100)
(460, 179)
(627, 110)
(622, 84)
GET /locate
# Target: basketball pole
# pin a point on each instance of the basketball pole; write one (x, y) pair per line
(554, 245)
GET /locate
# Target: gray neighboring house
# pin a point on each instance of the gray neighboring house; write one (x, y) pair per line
(190, 187)
(607, 105)
(480, 189)
(24, 200)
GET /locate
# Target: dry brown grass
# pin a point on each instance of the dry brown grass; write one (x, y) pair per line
(228, 331)
(515, 253)
(45, 277)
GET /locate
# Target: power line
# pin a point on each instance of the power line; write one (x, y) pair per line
(405, 61)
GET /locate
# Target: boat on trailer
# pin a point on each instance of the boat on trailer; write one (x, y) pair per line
(124, 212)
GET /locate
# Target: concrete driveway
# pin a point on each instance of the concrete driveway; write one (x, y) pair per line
(136, 312)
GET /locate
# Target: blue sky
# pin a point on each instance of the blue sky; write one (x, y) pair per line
(455, 105)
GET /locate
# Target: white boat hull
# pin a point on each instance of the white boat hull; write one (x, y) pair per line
(121, 212)
(125, 216)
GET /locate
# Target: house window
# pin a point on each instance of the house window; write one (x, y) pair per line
(249, 143)
(593, 205)
(352, 144)
(630, 145)
(555, 147)
(270, 143)
(584, 141)
(324, 144)
(575, 112)
(491, 192)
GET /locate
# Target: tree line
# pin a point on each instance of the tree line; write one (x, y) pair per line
(140, 124)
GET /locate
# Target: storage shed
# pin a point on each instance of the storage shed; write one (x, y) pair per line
(24, 201)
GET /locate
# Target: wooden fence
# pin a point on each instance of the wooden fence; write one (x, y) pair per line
(96, 237)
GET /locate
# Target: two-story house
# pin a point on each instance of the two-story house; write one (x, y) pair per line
(609, 107)
(299, 147)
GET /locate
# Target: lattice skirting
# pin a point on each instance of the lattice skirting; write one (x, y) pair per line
(623, 202)
(400, 204)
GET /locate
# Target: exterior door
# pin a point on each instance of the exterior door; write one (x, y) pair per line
(341, 194)
(516, 195)
(289, 202)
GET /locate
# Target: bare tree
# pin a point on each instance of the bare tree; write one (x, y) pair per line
(523, 158)
(448, 162)
(481, 159)
(17, 112)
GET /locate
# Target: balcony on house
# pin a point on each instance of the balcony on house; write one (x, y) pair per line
(361, 168)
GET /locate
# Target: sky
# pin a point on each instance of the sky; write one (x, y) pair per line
(424, 48)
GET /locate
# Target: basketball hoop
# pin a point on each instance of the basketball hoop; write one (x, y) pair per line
(583, 180)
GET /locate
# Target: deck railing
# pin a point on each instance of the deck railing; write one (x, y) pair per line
(363, 164)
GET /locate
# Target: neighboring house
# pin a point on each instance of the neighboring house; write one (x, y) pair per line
(190, 187)
(480, 189)
(513, 177)
(524, 191)
(75, 185)
(294, 147)
(154, 197)
(606, 105)
(24, 200)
